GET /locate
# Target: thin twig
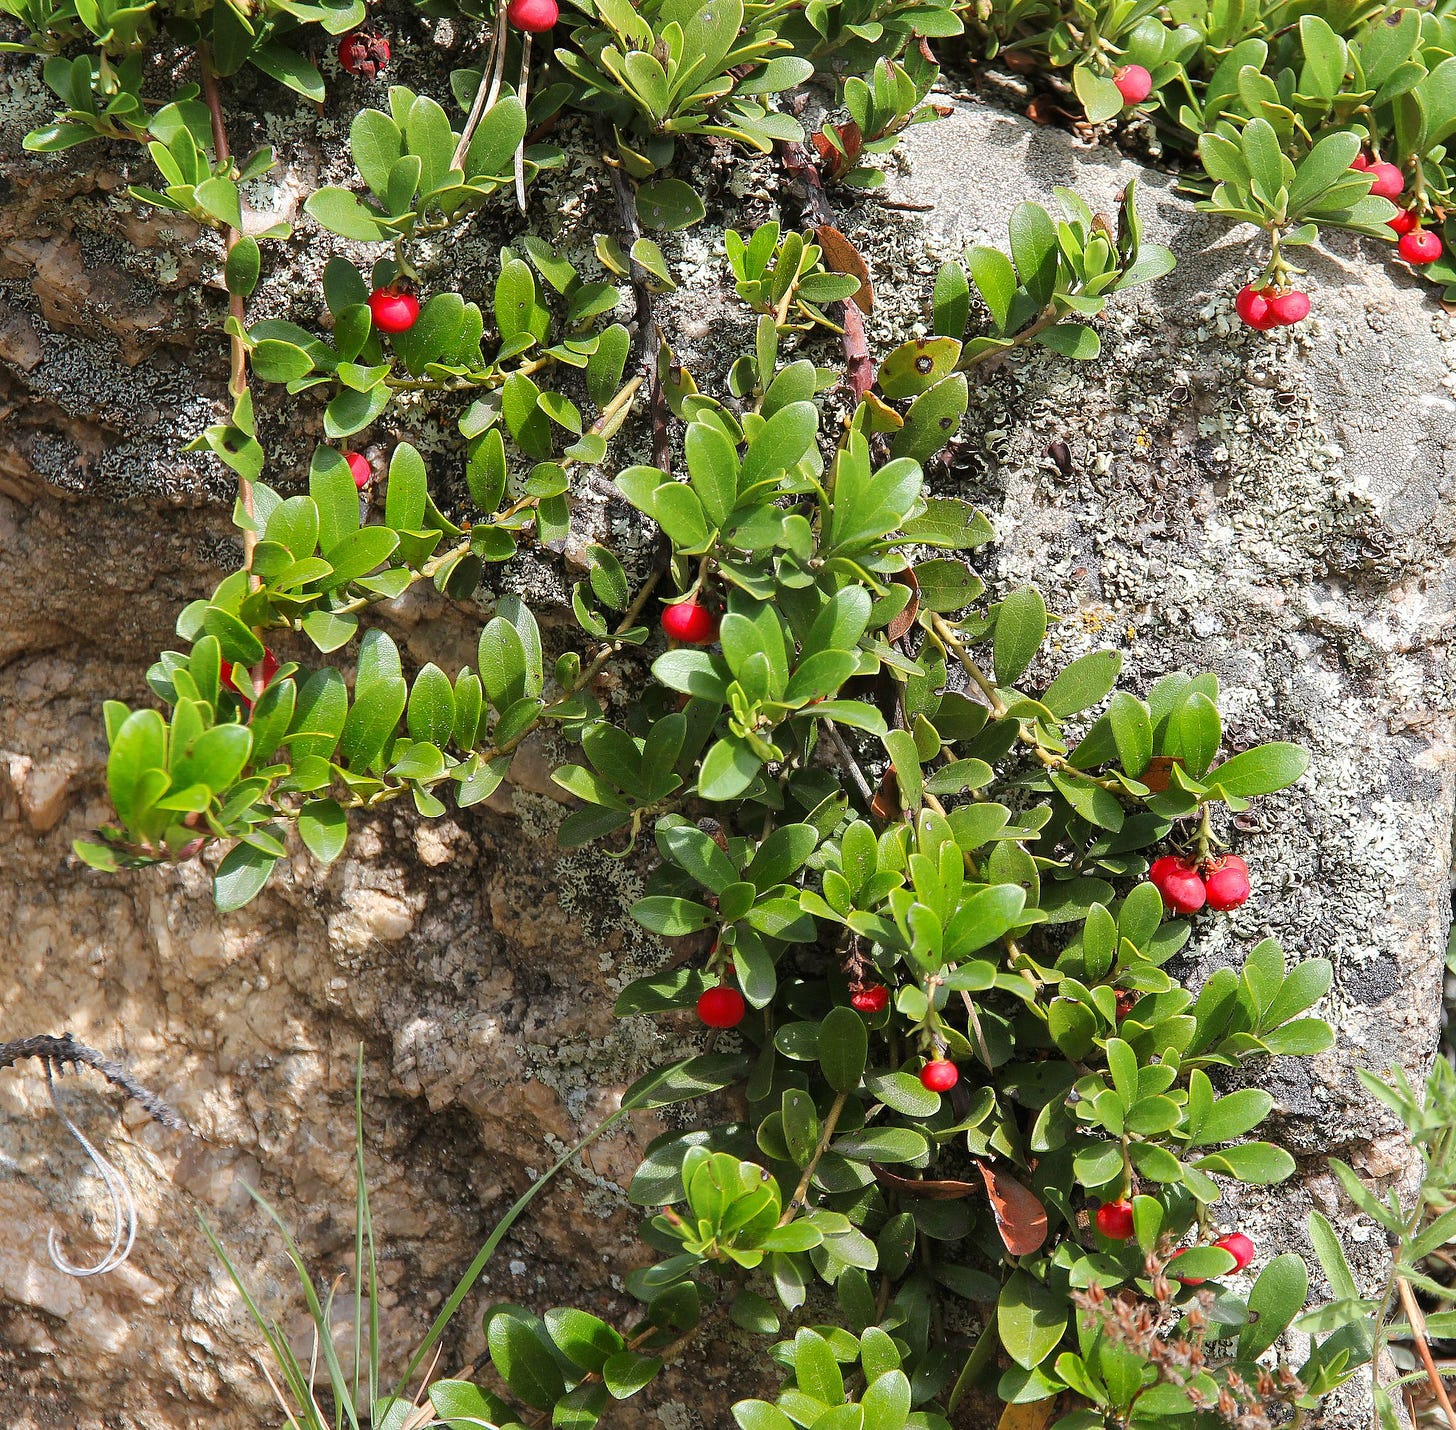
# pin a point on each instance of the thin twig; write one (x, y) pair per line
(59, 1054)
(807, 185)
(1417, 1320)
(802, 1190)
(237, 305)
(644, 328)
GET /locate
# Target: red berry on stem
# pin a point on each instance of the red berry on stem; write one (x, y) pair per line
(1419, 247)
(535, 17)
(721, 1007)
(1114, 1219)
(1226, 881)
(1252, 306)
(393, 311)
(1287, 308)
(690, 623)
(359, 466)
(1186, 1280)
(1389, 181)
(1178, 882)
(874, 999)
(1404, 221)
(1133, 83)
(939, 1075)
(1239, 1247)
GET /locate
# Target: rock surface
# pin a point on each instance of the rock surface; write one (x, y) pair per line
(1279, 508)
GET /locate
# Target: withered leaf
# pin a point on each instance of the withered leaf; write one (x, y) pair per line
(1020, 1217)
(941, 1191)
(906, 618)
(843, 257)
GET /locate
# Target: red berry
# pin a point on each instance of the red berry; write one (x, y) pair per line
(363, 53)
(939, 1075)
(1420, 246)
(1404, 221)
(1290, 307)
(1226, 881)
(359, 466)
(393, 312)
(1360, 162)
(1114, 1219)
(1239, 1247)
(690, 623)
(535, 17)
(1178, 882)
(1252, 306)
(721, 1007)
(1186, 1280)
(1389, 181)
(1126, 1002)
(240, 682)
(870, 1000)
(1133, 83)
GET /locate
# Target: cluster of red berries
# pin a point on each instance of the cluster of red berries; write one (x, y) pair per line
(1270, 307)
(690, 622)
(1265, 308)
(1115, 1221)
(1418, 246)
(1133, 83)
(1221, 882)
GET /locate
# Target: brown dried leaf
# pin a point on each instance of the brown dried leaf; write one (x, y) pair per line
(886, 803)
(942, 1191)
(1159, 769)
(1020, 1217)
(906, 618)
(1032, 1415)
(843, 257)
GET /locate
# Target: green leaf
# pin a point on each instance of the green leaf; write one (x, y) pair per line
(324, 828)
(1083, 683)
(1277, 1296)
(289, 68)
(1073, 340)
(1021, 624)
(522, 1355)
(669, 204)
(1031, 1319)
(430, 714)
(240, 876)
(843, 1047)
(244, 264)
(341, 213)
(1262, 770)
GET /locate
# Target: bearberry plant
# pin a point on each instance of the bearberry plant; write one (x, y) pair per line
(1300, 118)
(928, 872)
